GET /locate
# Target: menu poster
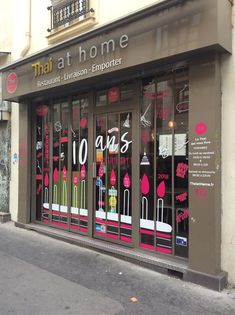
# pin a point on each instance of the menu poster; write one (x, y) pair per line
(165, 144)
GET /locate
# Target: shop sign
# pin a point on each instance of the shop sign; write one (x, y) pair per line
(122, 47)
(11, 82)
(83, 54)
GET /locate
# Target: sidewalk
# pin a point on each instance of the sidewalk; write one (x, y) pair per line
(41, 275)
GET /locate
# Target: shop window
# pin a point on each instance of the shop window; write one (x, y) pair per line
(61, 170)
(79, 191)
(60, 165)
(164, 207)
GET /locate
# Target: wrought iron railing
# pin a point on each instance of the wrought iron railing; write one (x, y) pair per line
(72, 10)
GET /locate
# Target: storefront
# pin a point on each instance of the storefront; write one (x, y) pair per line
(120, 133)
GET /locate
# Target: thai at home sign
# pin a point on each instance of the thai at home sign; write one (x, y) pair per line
(146, 39)
(77, 62)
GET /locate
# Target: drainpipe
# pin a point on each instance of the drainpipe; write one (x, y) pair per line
(28, 31)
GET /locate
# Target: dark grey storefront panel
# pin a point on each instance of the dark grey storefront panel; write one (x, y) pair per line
(205, 165)
(185, 27)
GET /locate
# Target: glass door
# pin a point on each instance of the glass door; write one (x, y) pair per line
(113, 176)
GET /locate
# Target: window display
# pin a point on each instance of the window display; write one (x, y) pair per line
(62, 168)
(164, 165)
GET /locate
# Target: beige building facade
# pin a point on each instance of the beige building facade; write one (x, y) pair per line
(122, 126)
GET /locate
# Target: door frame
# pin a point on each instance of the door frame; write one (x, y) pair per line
(118, 108)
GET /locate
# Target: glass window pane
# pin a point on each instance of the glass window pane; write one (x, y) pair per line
(164, 208)
(125, 169)
(42, 162)
(147, 223)
(60, 165)
(181, 166)
(79, 128)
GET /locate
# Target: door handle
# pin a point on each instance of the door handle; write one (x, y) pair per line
(94, 170)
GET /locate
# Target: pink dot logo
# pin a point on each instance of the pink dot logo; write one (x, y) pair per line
(11, 82)
(200, 128)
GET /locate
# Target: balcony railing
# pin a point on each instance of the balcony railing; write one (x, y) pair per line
(72, 10)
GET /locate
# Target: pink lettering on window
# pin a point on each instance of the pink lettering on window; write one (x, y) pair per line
(46, 149)
(182, 216)
(163, 176)
(182, 197)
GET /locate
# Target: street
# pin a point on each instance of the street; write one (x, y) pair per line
(41, 275)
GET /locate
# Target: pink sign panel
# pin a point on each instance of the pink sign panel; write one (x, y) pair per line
(11, 82)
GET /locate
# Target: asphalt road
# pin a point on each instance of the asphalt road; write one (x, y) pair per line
(43, 276)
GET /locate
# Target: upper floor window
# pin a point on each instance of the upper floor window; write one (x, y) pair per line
(65, 11)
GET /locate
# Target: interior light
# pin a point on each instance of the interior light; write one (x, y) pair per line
(171, 124)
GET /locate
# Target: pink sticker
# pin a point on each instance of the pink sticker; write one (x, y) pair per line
(39, 189)
(11, 82)
(63, 139)
(39, 155)
(182, 197)
(113, 95)
(46, 180)
(161, 189)
(163, 176)
(181, 170)
(112, 178)
(64, 173)
(201, 193)
(147, 135)
(75, 178)
(83, 172)
(46, 148)
(182, 216)
(83, 122)
(200, 128)
(126, 181)
(101, 170)
(145, 185)
(55, 175)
